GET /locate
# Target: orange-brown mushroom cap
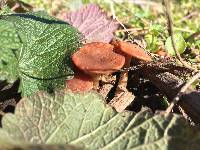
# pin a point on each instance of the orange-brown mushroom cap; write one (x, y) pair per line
(80, 83)
(129, 49)
(98, 58)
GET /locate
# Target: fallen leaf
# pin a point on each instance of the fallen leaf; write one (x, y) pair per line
(92, 22)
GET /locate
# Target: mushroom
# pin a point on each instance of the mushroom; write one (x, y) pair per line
(80, 83)
(122, 96)
(98, 59)
(129, 51)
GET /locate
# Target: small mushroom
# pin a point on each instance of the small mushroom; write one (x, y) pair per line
(98, 59)
(129, 51)
(80, 83)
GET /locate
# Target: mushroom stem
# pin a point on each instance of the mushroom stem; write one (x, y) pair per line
(96, 79)
(124, 76)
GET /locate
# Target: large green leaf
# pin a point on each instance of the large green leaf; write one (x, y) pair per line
(9, 48)
(39, 147)
(47, 44)
(8, 36)
(6, 143)
(85, 121)
(8, 65)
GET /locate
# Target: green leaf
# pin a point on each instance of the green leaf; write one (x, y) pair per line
(180, 44)
(30, 85)
(153, 37)
(8, 37)
(9, 49)
(40, 147)
(5, 9)
(84, 120)
(10, 44)
(44, 59)
(7, 144)
(156, 29)
(152, 43)
(8, 65)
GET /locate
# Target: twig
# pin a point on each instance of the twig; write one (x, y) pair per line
(194, 13)
(171, 33)
(144, 2)
(192, 36)
(183, 112)
(183, 30)
(182, 90)
(132, 29)
(170, 83)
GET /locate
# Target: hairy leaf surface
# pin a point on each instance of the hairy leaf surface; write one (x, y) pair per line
(8, 36)
(8, 65)
(85, 121)
(47, 44)
(9, 49)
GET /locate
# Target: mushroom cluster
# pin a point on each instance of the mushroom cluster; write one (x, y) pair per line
(97, 58)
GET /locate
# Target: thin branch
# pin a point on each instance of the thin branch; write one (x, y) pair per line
(144, 2)
(171, 33)
(132, 29)
(183, 112)
(181, 92)
(192, 36)
(146, 29)
(183, 30)
(192, 14)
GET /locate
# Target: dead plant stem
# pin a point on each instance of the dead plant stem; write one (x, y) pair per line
(171, 33)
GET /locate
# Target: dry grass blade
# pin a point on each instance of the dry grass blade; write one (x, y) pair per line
(171, 33)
